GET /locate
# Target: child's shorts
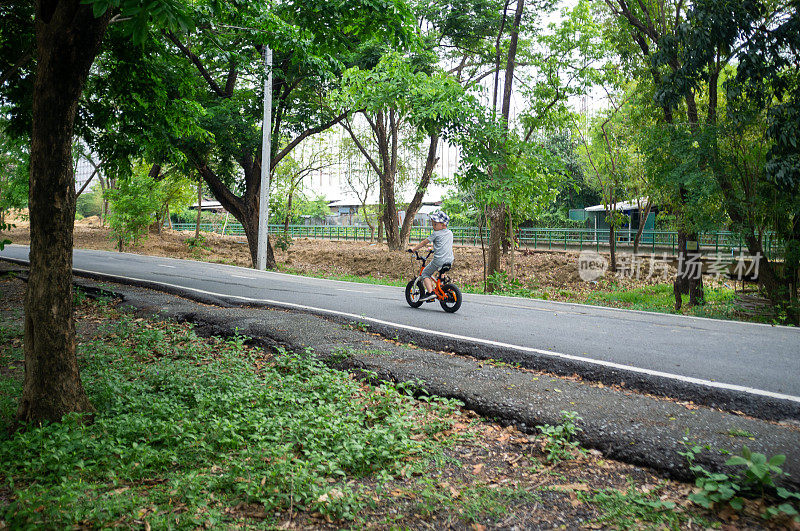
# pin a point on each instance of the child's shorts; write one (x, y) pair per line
(431, 268)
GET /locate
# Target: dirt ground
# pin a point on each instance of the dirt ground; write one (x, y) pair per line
(540, 269)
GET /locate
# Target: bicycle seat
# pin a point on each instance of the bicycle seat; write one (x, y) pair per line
(445, 268)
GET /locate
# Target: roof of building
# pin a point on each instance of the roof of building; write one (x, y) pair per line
(622, 205)
(208, 204)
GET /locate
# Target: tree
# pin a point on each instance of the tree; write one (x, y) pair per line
(398, 94)
(507, 156)
(68, 37)
(645, 35)
(362, 181)
(212, 78)
(288, 181)
(609, 157)
(750, 141)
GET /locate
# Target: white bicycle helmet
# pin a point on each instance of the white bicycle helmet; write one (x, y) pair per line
(439, 217)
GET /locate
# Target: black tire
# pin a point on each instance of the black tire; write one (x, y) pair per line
(413, 294)
(453, 301)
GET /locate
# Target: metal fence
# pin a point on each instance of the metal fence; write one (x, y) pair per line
(720, 242)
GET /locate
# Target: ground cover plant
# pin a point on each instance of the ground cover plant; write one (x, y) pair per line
(192, 431)
(179, 418)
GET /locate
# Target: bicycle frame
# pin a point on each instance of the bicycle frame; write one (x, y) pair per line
(437, 287)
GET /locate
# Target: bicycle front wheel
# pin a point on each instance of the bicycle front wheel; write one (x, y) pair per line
(414, 294)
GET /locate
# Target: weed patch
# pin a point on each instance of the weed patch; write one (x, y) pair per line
(186, 429)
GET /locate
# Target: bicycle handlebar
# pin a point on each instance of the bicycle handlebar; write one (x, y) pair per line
(416, 253)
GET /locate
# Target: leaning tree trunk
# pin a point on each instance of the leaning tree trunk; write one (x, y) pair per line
(67, 40)
(642, 222)
(416, 202)
(244, 209)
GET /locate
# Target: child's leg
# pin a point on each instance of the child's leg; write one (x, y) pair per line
(428, 281)
(427, 273)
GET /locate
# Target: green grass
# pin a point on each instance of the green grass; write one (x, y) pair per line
(475, 502)
(187, 429)
(633, 509)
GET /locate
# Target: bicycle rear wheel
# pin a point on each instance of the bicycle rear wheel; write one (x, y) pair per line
(453, 301)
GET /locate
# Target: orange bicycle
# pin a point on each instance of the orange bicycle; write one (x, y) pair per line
(447, 293)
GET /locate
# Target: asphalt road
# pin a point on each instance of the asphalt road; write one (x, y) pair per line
(751, 360)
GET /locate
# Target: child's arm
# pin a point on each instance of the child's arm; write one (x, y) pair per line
(420, 245)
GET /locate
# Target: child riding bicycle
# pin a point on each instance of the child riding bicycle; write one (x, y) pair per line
(442, 241)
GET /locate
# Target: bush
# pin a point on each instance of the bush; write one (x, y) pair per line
(133, 208)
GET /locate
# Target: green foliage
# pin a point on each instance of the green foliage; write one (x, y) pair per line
(90, 203)
(210, 425)
(429, 102)
(629, 509)
(5, 241)
(138, 201)
(133, 206)
(14, 160)
(282, 241)
(559, 439)
(461, 208)
(755, 479)
(198, 243)
(499, 167)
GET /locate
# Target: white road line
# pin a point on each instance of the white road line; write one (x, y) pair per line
(580, 308)
(242, 276)
(677, 377)
(169, 266)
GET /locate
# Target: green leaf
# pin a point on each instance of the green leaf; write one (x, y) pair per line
(736, 460)
(777, 460)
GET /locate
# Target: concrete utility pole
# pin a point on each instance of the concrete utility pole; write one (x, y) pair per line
(263, 203)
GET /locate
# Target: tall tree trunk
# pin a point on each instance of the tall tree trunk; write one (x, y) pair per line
(497, 213)
(67, 40)
(687, 281)
(389, 177)
(497, 228)
(288, 213)
(416, 202)
(199, 208)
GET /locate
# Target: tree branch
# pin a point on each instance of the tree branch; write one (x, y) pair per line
(199, 64)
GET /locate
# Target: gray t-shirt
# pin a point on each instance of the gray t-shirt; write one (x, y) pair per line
(442, 241)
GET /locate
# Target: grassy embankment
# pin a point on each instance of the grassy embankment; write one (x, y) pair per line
(195, 432)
